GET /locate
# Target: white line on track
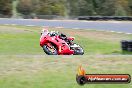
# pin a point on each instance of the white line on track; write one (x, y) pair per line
(112, 31)
(119, 32)
(6, 24)
(75, 28)
(30, 25)
(128, 33)
(14, 24)
(59, 27)
(45, 26)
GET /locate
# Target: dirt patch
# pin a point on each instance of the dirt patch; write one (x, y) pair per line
(99, 35)
(6, 29)
(35, 63)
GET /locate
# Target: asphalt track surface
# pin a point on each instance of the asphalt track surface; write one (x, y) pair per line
(112, 26)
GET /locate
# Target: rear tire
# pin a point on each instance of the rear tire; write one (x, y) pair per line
(48, 51)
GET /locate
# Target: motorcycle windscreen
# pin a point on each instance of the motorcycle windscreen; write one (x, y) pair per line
(44, 34)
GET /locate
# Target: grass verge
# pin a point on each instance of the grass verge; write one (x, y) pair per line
(35, 71)
(23, 64)
(25, 40)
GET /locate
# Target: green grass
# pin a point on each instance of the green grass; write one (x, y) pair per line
(23, 63)
(37, 71)
(25, 40)
(99, 47)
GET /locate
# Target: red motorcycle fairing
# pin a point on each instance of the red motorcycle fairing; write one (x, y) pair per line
(71, 38)
(62, 47)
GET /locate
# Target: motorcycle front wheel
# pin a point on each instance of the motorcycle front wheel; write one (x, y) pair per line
(78, 50)
(50, 49)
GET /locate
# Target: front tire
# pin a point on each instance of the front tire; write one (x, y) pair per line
(50, 50)
(78, 50)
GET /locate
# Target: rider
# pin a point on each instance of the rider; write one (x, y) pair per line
(54, 33)
(65, 38)
(61, 36)
(44, 32)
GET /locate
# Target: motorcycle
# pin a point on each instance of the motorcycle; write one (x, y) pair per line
(54, 43)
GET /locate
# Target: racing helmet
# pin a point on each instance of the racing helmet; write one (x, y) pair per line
(53, 33)
(44, 31)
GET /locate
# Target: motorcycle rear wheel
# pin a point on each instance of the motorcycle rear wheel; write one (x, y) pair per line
(50, 50)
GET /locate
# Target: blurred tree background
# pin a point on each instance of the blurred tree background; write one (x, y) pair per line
(6, 7)
(67, 7)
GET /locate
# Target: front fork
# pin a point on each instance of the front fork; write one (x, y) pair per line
(62, 51)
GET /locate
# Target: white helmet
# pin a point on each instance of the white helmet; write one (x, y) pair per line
(44, 31)
(53, 33)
